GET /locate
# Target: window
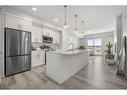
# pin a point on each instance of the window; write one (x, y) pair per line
(97, 42)
(94, 42)
(90, 43)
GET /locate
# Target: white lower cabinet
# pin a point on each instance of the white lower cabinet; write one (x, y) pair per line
(38, 57)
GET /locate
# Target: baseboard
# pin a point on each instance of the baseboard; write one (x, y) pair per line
(38, 65)
(2, 76)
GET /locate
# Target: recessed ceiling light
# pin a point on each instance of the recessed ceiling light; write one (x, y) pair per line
(56, 19)
(34, 9)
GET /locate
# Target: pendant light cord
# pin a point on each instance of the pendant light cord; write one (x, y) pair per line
(82, 27)
(76, 23)
(65, 23)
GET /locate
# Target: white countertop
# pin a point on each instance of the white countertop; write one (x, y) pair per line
(69, 52)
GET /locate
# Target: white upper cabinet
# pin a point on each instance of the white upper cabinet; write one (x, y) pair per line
(47, 32)
(27, 25)
(36, 34)
(12, 21)
(56, 37)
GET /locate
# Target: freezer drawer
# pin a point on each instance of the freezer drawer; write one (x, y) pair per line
(26, 62)
(13, 65)
(17, 64)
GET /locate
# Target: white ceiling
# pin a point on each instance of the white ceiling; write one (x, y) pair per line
(95, 17)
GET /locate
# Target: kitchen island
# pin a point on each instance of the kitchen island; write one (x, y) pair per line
(61, 65)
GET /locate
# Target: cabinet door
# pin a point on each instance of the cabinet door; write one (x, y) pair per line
(36, 34)
(12, 22)
(26, 25)
(33, 58)
(39, 35)
(18, 23)
(58, 38)
(46, 31)
(33, 34)
(54, 37)
(38, 58)
(43, 57)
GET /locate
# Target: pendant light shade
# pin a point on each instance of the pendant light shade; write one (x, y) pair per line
(65, 23)
(82, 27)
(76, 29)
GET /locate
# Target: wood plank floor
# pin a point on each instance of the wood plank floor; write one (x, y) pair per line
(96, 75)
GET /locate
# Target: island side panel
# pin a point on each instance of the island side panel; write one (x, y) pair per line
(72, 64)
(61, 67)
(53, 68)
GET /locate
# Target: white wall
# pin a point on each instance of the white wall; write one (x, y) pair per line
(0, 46)
(119, 32)
(1, 42)
(69, 38)
(124, 22)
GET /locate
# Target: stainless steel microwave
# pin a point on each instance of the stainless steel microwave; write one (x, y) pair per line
(47, 39)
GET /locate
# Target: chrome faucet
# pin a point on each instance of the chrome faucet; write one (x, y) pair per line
(72, 45)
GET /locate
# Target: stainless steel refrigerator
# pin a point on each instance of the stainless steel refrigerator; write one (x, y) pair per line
(17, 51)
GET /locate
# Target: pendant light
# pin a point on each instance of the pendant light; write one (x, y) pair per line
(65, 23)
(76, 24)
(82, 27)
